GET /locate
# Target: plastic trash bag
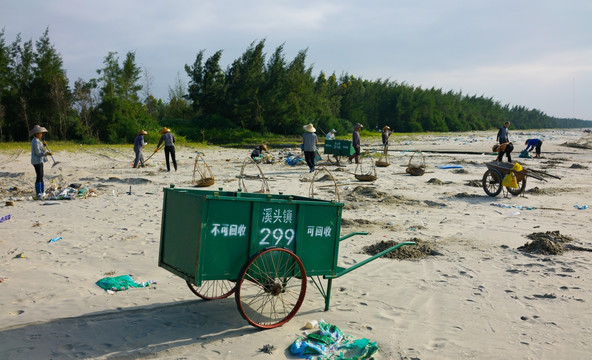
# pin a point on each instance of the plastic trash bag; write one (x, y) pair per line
(525, 154)
(510, 181)
(330, 343)
(517, 167)
(119, 283)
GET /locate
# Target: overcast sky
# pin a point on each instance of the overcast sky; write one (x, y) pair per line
(534, 53)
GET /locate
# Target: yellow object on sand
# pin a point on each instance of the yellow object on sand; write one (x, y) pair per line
(517, 167)
(510, 181)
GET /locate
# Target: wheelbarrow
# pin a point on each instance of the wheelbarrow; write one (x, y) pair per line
(261, 247)
(492, 179)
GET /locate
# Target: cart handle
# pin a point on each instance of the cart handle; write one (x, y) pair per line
(352, 234)
(347, 270)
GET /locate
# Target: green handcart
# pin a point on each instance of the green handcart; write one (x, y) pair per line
(262, 247)
(339, 148)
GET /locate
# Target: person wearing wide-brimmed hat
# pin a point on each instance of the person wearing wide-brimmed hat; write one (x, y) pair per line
(138, 145)
(258, 151)
(38, 157)
(356, 142)
(386, 133)
(309, 145)
(169, 147)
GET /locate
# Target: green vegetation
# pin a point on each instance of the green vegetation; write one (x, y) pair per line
(257, 99)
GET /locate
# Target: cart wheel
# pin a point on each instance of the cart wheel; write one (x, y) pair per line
(492, 182)
(520, 189)
(212, 289)
(271, 288)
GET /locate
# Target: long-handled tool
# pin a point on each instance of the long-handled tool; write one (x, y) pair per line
(155, 151)
(51, 154)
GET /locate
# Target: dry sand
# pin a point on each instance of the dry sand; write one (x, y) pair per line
(476, 296)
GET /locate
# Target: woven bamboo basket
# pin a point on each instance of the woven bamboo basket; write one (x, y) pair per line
(363, 175)
(204, 182)
(319, 169)
(383, 161)
(202, 174)
(417, 167)
(242, 176)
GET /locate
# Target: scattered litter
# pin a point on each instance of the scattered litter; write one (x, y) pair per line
(4, 218)
(294, 160)
(519, 207)
(267, 348)
(313, 324)
(20, 256)
(2, 279)
(55, 239)
(449, 166)
(52, 203)
(579, 207)
(9, 203)
(120, 283)
(330, 343)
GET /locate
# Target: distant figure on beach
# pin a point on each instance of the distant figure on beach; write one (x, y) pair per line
(502, 149)
(331, 135)
(505, 146)
(386, 133)
(138, 145)
(356, 143)
(169, 147)
(258, 151)
(502, 134)
(309, 145)
(534, 144)
(38, 157)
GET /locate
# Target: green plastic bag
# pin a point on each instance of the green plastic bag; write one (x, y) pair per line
(120, 283)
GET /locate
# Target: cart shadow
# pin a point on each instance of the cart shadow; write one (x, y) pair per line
(127, 333)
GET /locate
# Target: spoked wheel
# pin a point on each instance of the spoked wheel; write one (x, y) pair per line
(271, 288)
(492, 182)
(213, 289)
(520, 189)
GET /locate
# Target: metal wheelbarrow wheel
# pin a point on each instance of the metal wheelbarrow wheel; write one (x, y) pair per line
(213, 289)
(492, 182)
(271, 288)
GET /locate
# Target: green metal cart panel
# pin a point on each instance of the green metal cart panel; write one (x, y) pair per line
(339, 147)
(210, 235)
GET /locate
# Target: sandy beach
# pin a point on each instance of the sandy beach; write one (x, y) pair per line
(475, 296)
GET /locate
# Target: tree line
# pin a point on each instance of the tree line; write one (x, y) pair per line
(256, 94)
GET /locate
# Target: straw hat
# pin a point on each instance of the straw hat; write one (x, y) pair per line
(36, 130)
(165, 130)
(358, 126)
(142, 132)
(386, 127)
(309, 128)
(333, 131)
